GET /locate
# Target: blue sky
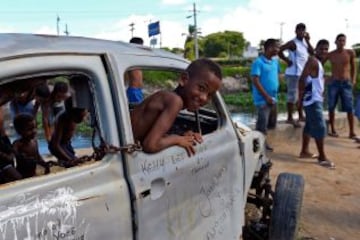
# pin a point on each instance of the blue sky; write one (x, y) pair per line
(110, 19)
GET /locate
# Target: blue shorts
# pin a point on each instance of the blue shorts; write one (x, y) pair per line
(342, 89)
(357, 106)
(266, 117)
(292, 84)
(314, 121)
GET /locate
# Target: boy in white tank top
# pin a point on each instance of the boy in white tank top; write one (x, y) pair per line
(299, 49)
(311, 89)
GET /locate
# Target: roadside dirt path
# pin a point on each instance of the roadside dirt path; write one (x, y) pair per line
(331, 204)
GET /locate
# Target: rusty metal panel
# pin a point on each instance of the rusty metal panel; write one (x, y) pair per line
(199, 197)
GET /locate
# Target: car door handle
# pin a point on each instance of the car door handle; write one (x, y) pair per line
(157, 189)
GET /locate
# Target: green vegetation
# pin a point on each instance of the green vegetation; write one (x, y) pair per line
(245, 100)
(159, 78)
(226, 44)
(233, 71)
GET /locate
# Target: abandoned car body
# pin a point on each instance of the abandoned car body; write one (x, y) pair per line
(125, 193)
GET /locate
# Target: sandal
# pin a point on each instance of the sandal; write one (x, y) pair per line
(327, 164)
(333, 134)
(308, 155)
(354, 137)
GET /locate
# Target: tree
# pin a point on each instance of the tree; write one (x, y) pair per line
(228, 43)
(189, 49)
(356, 48)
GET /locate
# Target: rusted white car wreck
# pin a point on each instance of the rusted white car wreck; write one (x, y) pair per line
(123, 192)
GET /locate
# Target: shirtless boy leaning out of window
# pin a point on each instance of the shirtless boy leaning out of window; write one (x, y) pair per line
(152, 119)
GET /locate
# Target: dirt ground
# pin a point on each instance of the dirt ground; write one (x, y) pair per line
(331, 203)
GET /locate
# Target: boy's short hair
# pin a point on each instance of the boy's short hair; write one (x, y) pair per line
(137, 40)
(203, 64)
(300, 26)
(21, 119)
(269, 43)
(42, 91)
(339, 36)
(60, 87)
(322, 42)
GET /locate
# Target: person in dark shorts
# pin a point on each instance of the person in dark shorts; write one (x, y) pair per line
(343, 78)
(311, 89)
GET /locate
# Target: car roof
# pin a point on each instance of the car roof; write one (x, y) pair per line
(16, 44)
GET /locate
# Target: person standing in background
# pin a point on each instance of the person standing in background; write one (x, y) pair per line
(135, 77)
(265, 79)
(299, 49)
(342, 80)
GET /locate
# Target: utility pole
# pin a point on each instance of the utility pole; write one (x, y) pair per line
(57, 25)
(195, 31)
(132, 28)
(281, 31)
(347, 23)
(66, 30)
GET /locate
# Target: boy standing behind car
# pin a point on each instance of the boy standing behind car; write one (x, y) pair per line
(311, 90)
(265, 79)
(299, 49)
(134, 91)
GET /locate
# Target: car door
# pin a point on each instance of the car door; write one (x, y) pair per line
(82, 202)
(180, 197)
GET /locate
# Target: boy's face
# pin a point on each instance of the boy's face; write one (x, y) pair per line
(274, 49)
(340, 42)
(300, 32)
(322, 50)
(60, 96)
(21, 97)
(28, 131)
(199, 90)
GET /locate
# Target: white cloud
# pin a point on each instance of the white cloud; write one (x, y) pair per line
(173, 2)
(46, 30)
(259, 20)
(6, 29)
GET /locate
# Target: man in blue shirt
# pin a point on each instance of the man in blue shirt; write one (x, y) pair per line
(134, 91)
(265, 79)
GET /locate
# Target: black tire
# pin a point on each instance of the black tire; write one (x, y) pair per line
(286, 210)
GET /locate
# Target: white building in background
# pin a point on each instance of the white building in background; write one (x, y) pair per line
(251, 52)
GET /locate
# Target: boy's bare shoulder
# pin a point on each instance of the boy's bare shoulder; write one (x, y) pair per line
(166, 97)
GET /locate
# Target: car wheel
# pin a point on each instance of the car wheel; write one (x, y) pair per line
(286, 210)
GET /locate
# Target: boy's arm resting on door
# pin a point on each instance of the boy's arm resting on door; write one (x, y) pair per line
(157, 138)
